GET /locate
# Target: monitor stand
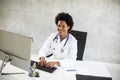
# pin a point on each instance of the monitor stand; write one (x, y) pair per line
(6, 60)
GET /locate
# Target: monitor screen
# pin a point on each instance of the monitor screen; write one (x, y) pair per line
(17, 46)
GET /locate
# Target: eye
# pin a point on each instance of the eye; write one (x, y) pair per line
(62, 26)
(58, 25)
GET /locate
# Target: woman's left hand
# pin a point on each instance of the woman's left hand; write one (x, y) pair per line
(52, 64)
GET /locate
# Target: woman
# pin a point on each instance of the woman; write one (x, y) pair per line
(60, 47)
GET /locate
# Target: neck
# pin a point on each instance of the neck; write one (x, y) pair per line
(62, 37)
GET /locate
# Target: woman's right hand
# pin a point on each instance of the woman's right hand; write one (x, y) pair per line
(42, 61)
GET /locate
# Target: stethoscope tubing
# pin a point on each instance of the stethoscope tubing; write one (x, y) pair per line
(56, 37)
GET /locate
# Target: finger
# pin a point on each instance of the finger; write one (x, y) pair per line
(48, 65)
(51, 66)
(41, 63)
(44, 63)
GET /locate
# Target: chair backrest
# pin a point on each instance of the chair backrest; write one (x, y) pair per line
(81, 41)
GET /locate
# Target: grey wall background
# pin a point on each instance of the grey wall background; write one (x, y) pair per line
(35, 18)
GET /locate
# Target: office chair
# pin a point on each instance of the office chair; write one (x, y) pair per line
(81, 41)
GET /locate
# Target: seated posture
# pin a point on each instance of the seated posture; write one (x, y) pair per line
(61, 47)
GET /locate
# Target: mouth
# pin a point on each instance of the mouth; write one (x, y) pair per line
(60, 31)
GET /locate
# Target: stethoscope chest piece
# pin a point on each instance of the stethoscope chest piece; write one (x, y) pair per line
(61, 50)
(56, 40)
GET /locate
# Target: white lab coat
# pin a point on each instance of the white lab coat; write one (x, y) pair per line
(66, 56)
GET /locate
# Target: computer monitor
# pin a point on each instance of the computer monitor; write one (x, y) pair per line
(15, 48)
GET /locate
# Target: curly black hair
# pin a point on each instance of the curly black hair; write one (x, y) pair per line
(65, 17)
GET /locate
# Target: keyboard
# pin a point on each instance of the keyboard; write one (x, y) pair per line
(50, 70)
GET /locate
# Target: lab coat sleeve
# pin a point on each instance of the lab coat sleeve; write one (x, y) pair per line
(46, 46)
(71, 58)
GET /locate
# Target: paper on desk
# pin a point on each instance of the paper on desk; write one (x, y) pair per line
(92, 68)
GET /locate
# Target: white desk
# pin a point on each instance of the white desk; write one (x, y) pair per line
(82, 67)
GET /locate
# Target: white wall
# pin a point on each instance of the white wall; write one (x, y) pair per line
(35, 18)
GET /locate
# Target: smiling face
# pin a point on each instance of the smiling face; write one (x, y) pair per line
(62, 28)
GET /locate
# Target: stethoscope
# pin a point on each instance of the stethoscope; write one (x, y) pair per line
(56, 38)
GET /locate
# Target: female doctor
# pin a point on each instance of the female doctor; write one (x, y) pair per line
(60, 47)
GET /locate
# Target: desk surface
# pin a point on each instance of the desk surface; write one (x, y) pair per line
(82, 67)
